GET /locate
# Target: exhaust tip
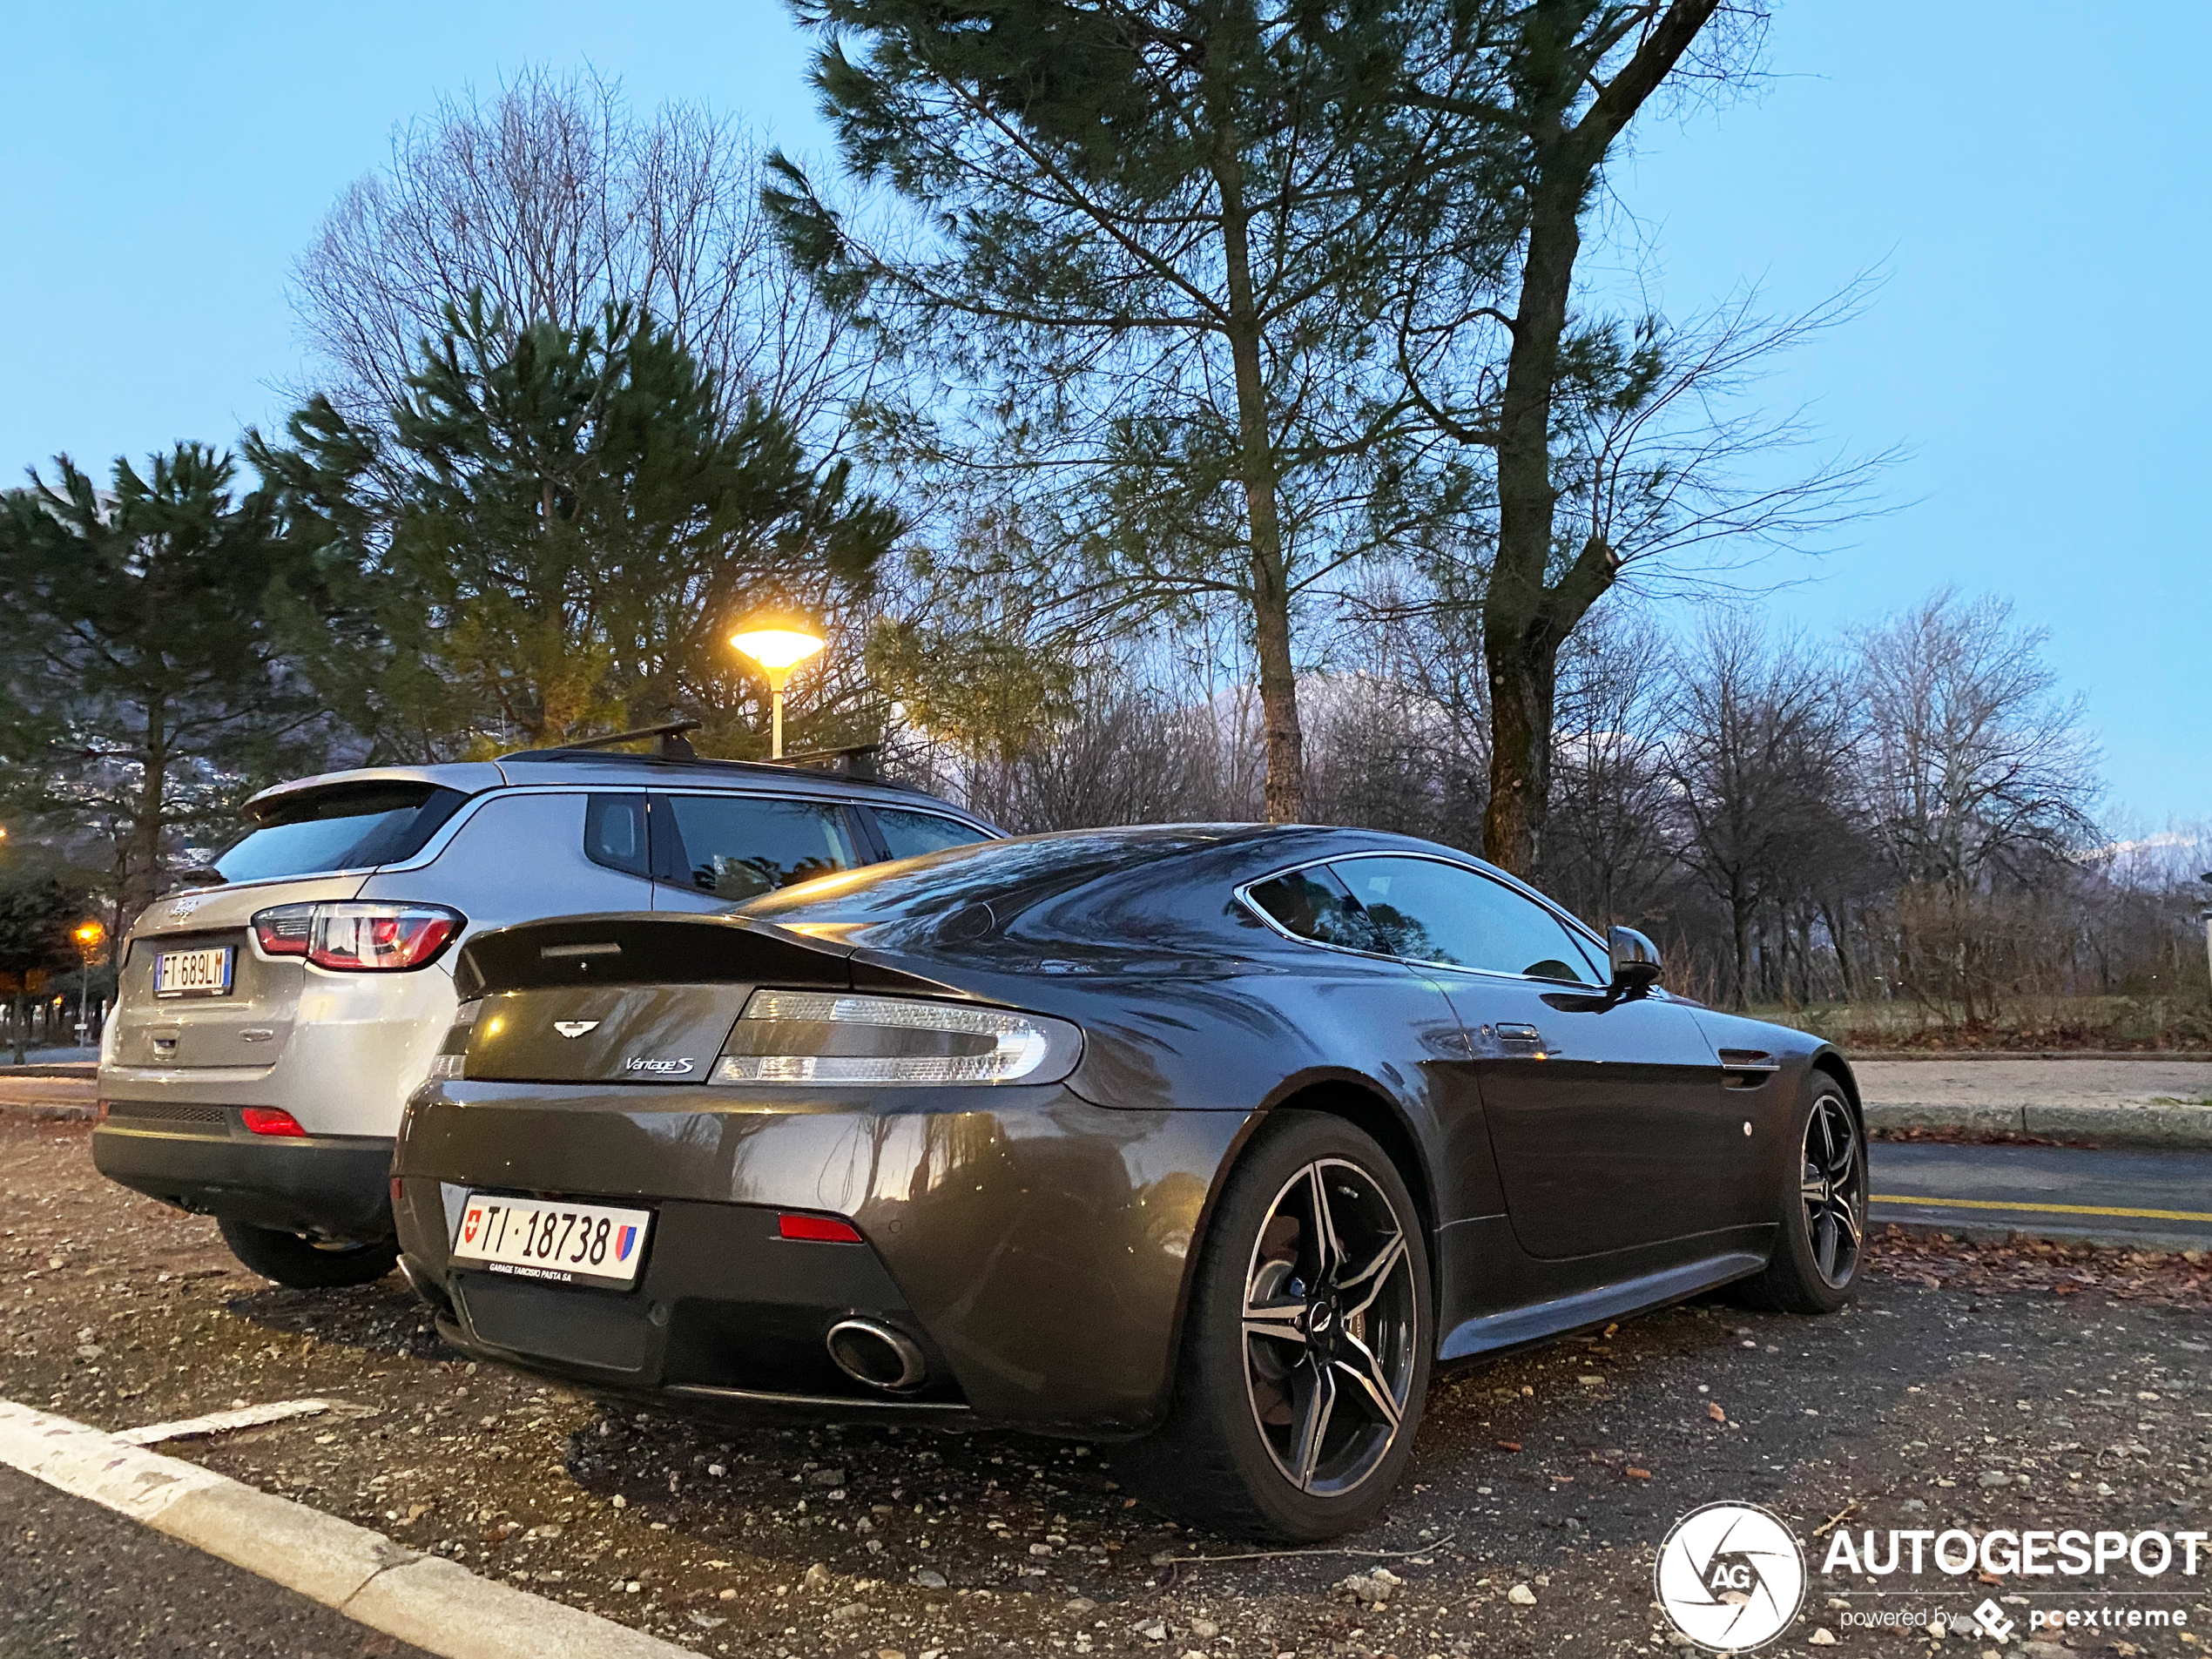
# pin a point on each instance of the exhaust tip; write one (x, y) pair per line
(873, 1353)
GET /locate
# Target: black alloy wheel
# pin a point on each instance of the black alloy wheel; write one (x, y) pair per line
(1305, 1353)
(1330, 1314)
(1820, 1240)
(1834, 1191)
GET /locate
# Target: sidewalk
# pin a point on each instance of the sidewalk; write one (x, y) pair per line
(2154, 1102)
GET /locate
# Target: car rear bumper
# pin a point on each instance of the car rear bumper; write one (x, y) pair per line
(1034, 1246)
(332, 1186)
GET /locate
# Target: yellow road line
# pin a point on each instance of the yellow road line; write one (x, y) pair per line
(2046, 1209)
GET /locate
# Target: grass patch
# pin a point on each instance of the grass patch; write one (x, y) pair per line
(2029, 1022)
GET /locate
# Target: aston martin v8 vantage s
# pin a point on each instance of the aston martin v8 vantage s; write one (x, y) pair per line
(1217, 1136)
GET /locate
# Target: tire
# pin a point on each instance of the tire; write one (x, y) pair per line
(304, 1265)
(1236, 1452)
(1820, 1246)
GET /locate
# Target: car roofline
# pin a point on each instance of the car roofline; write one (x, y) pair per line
(599, 767)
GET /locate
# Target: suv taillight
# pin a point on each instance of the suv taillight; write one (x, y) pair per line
(359, 937)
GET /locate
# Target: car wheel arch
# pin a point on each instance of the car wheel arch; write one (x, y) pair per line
(1358, 1102)
(1370, 1111)
(1828, 1062)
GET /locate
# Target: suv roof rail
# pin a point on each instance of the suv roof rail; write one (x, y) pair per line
(673, 743)
(855, 761)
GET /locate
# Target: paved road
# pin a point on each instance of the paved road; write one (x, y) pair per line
(84, 1581)
(2155, 1199)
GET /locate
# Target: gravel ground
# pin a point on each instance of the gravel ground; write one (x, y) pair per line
(1970, 1385)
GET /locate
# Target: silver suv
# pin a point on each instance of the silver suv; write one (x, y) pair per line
(269, 1027)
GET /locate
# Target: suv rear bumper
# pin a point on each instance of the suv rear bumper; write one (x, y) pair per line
(332, 1186)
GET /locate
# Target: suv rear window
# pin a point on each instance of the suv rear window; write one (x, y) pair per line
(349, 827)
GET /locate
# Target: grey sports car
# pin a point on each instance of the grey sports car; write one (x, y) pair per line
(1218, 1136)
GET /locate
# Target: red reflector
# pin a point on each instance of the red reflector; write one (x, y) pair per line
(267, 1120)
(820, 1230)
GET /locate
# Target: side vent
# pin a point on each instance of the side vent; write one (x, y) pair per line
(1747, 1068)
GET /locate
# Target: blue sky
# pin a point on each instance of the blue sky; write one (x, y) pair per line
(2030, 177)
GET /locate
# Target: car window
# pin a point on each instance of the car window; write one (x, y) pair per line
(1313, 904)
(909, 835)
(614, 833)
(1432, 911)
(349, 827)
(737, 846)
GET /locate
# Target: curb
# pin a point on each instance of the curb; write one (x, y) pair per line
(2176, 1126)
(1985, 1233)
(2198, 1057)
(437, 1605)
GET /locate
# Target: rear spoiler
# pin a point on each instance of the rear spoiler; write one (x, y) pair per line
(632, 949)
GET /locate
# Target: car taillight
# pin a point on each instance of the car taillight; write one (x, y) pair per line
(817, 1230)
(835, 1037)
(268, 1120)
(284, 931)
(360, 937)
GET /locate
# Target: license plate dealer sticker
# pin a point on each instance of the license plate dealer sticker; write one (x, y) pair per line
(193, 973)
(569, 1244)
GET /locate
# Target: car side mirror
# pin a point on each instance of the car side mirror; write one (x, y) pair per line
(1634, 959)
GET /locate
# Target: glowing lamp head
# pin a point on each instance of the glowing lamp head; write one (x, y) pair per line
(777, 650)
(87, 934)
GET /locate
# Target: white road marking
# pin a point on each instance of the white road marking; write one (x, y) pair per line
(191, 1428)
(436, 1604)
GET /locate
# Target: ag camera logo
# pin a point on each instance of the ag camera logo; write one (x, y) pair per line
(1730, 1577)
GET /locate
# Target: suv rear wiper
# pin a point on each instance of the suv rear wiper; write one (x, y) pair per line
(201, 878)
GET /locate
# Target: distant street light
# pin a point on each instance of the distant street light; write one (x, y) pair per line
(87, 934)
(777, 648)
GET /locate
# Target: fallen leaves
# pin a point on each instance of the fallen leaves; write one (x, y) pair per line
(1940, 1261)
(1509, 1445)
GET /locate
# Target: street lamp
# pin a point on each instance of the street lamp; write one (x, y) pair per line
(777, 648)
(87, 934)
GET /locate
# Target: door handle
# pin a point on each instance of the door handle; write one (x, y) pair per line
(1520, 1038)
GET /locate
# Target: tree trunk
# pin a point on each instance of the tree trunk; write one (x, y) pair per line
(1271, 594)
(1834, 916)
(1525, 619)
(143, 884)
(1739, 916)
(1523, 672)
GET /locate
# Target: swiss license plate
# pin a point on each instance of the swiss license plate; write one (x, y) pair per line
(569, 1244)
(193, 973)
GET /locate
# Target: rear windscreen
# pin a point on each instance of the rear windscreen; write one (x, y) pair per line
(345, 828)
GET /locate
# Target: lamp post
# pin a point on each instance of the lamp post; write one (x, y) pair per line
(87, 934)
(777, 648)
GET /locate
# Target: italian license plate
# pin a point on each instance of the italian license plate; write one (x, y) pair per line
(193, 973)
(569, 1244)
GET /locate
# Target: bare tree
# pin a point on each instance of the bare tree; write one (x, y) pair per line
(1608, 856)
(1971, 766)
(1759, 740)
(1978, 784)
(554, 199)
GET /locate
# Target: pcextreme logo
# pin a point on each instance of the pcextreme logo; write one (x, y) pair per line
(1730, 1577)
